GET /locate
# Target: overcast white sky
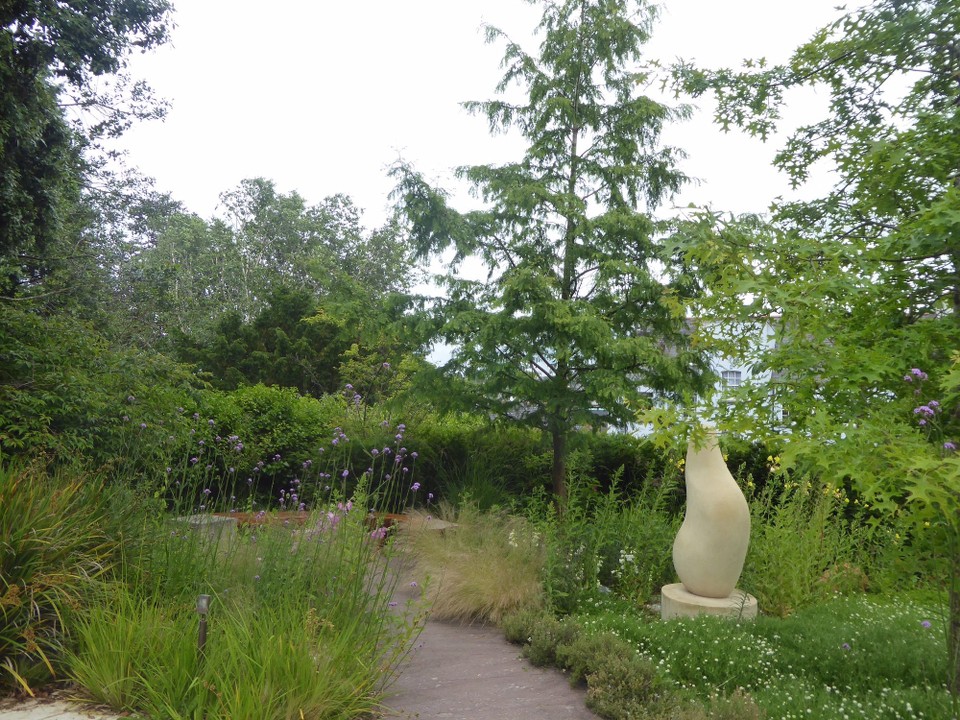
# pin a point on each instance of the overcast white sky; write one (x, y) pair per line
(323, 96)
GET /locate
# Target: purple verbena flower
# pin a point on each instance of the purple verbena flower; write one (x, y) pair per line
(949, 446)
(925, 623)
(415, 486)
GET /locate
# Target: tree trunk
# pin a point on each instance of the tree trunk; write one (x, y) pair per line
(558, 473)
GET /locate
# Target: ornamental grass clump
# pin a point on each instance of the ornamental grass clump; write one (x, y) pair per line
(302, 621)
(54, 548)
(484, 566)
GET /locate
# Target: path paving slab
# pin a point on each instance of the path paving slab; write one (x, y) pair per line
(458, 672)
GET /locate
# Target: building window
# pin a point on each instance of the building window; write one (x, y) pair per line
(730, 379)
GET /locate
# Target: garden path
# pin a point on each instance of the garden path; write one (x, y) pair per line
(470, 672)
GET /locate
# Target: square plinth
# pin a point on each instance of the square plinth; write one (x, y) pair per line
(676, 602)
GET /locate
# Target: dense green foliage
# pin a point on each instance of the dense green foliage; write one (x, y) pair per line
(269, 358)
(51, 53)
(570, 327)
(863, 283)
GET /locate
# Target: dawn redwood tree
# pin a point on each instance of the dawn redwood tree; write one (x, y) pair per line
(582, 315)
(866, 279)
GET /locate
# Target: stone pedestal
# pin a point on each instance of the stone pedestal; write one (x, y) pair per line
(677, 602)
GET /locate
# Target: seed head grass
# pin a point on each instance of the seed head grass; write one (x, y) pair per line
(482, 566)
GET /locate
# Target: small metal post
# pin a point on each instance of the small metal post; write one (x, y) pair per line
(203, 607)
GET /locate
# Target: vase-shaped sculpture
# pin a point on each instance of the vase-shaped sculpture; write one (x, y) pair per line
(711, 546)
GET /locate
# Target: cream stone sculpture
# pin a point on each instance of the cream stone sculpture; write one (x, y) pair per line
(711, 546)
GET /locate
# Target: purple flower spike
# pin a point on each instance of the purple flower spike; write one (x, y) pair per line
(925, 623)
(949, 446)
(415, 486)
(845, 646)
(907, 378)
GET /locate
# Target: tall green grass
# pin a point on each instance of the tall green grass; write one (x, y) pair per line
(55, 546)
(99, 579)
(301, 623)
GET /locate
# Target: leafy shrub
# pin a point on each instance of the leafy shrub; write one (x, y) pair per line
(518, 625)
(802, 549)
(585, 653)
(604, 540)
(467, 452)
(628, 686)
(64, 390)
(548, 635)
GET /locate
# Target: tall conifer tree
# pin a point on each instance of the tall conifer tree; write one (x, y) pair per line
(582, 313)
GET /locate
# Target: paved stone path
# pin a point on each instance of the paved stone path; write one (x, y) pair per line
(472, 673)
